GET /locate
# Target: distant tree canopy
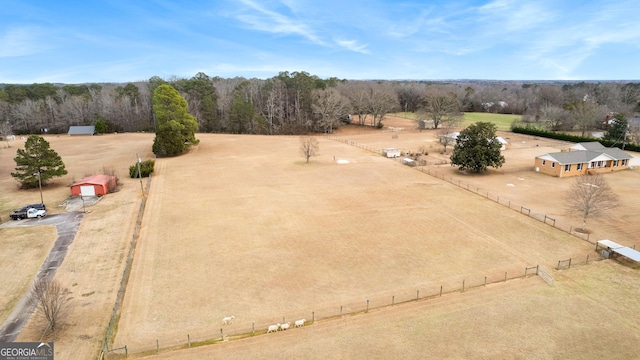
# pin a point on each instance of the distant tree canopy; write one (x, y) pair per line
(176, 127)
(477, 148)
(37, 163)
(298, 103)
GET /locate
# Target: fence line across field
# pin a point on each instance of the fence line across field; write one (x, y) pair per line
(218, 334)
(427, 169)
(238, 330)
(125, 276)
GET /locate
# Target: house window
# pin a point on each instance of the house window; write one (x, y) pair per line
(600, 163)
(615, 162)
(567, 167)
(624, 162)
(553, 164)
(544, 162)
(592, 164)
(579, 167)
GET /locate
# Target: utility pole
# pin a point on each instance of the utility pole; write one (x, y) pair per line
(140, 175)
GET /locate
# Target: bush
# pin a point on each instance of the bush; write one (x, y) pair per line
(146, 168)
(572, 138)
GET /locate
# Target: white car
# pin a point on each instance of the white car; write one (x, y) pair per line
(30, 213)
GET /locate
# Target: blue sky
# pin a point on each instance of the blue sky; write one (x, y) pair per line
(131, 40)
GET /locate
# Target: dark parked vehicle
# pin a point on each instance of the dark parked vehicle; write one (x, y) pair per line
(29, 211)
(33, 206)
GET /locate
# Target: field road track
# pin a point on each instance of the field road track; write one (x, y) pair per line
(67, 226)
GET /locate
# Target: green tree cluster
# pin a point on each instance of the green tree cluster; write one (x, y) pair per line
(618, 128)
(477, 148)
(176, 128)
(146, 168)
(37, 163)
(203, 95)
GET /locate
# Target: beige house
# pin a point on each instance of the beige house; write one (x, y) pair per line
(583, 158)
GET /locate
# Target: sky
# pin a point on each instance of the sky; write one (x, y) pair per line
(119, 41)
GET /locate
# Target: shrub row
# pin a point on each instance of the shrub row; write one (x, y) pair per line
(572, 138)
(146, 168)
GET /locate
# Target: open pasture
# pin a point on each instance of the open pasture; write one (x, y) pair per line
(522, 319)
(242, 226)
(516, 182)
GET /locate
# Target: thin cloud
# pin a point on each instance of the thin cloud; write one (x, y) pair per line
(353, 45)
(20, 42)
(259, 18)
(411, 39)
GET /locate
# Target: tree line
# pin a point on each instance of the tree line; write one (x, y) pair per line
(298, 102)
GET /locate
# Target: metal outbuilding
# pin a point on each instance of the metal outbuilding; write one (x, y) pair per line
(81, 130)
(618, 249)
(96, 185)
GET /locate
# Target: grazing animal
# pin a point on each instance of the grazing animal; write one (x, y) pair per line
(284, 327)
(228, 320)
(273, 328)
(299, 323)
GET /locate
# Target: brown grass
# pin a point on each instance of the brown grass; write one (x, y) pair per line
(242, 226)
(93, 268)
(31, 247)
(259, 234)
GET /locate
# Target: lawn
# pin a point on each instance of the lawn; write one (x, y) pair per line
(502, 121)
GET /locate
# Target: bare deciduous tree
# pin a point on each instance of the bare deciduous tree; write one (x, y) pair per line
(52, 305)
(442, 108)
(309, 147)
(445, 138)
(591, 195)
(328, 106)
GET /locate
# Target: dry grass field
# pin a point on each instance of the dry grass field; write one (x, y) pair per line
(242, 226)
(522, 319)
(93, 268)
(31, 246)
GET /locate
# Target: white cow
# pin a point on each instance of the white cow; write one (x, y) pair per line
(299, 323)
(228, 320)
(273, 328)
(285, 326)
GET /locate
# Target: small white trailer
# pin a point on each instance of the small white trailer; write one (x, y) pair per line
(391, 152)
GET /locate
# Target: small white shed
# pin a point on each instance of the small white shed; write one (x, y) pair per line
(391, 152)
(504, 143)
(409, 161)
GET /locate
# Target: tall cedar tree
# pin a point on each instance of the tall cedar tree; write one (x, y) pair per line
(37, 157)
(477, 148)
(176, 127)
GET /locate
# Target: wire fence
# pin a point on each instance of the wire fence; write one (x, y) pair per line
(199, 337)
(427, 168)
(235, 331)
(108, 338)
